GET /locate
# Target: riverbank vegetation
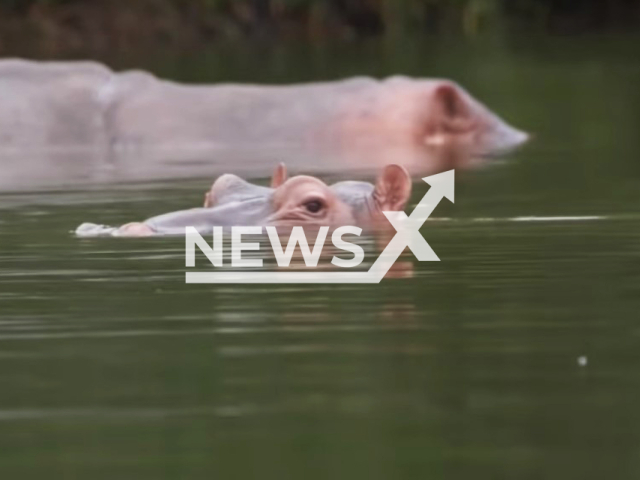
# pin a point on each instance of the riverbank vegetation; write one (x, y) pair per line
(61, 27)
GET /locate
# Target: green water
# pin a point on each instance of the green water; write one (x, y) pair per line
(517, 356)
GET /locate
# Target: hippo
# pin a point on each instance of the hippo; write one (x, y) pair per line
(98, 124)
(297, 201)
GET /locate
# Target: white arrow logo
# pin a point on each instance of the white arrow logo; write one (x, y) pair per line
(407, 235)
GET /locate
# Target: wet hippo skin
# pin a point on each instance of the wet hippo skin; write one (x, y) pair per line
(85, 103)
(96, 124)
(297, 201)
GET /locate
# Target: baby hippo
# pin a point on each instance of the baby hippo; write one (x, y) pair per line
(297, 201)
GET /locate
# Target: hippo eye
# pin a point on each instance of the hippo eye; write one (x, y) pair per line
(314, 206)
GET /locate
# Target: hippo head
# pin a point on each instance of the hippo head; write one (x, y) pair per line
(455, 118)
(308, 199)
(297, 201)
(430, 119)
(300, 200)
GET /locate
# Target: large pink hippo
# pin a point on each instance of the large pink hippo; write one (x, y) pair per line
(81, 121)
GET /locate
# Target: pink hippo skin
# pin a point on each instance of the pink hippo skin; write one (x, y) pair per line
(395, 111)
(425, 125)
(80, 121)
(297, 201)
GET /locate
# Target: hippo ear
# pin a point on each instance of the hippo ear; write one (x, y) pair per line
(393, 188)
(453, 109)
(208, 200)
(279, 175)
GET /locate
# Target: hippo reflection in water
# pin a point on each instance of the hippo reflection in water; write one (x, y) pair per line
(139, 126)
(297, 201)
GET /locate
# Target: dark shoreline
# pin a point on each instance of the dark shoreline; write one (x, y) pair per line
(70, 28)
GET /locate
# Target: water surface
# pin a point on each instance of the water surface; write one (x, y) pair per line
(514, 357)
